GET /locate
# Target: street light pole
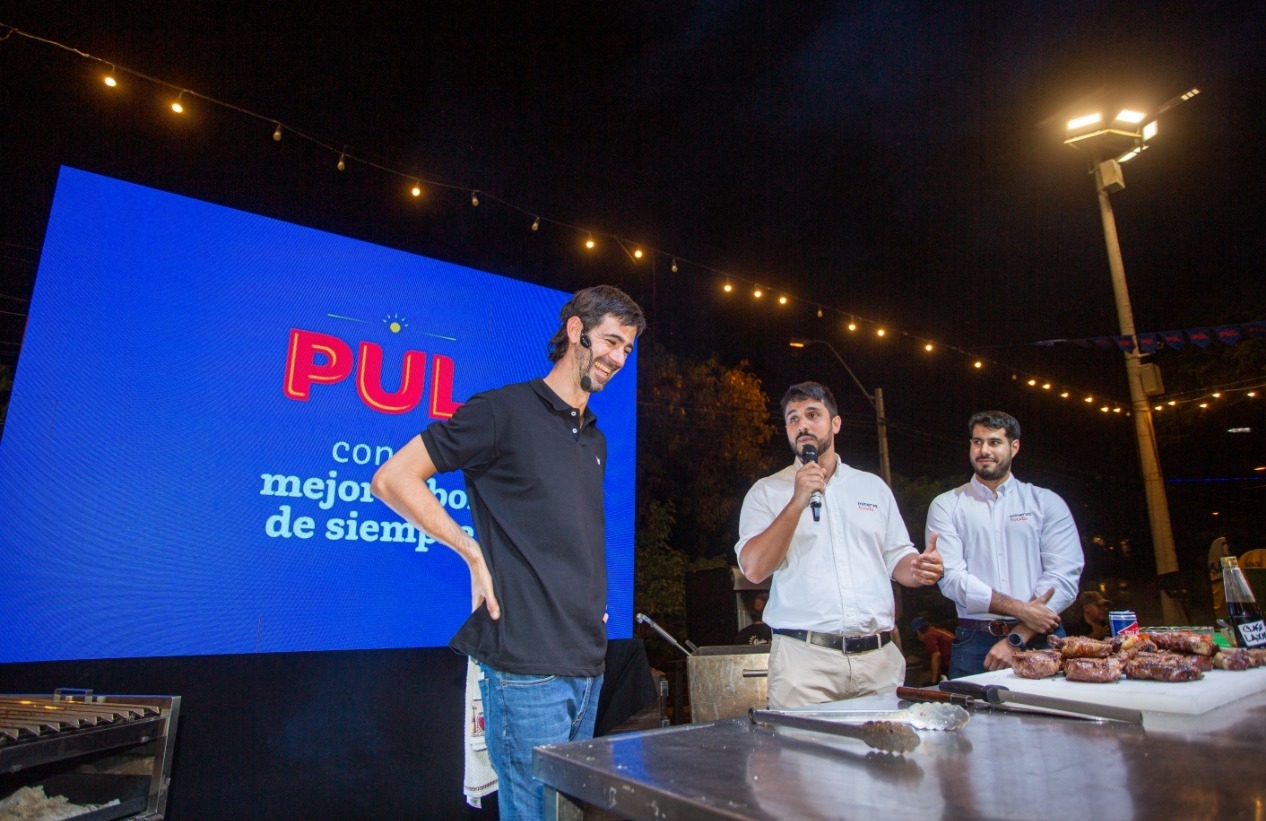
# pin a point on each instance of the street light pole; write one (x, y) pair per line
(881, 422)
(876, 401)
(1120, 140)
(1149, 457)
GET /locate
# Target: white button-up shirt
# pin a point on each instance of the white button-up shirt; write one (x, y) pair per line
(836, 575)
(1020, 541)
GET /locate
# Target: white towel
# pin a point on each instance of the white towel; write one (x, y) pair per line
(480, 779)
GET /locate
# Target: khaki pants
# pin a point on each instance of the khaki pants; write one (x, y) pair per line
(801, 673)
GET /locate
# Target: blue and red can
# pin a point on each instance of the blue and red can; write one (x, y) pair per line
(1123, 622)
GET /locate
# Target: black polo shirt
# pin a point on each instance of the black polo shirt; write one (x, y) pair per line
(534, 469)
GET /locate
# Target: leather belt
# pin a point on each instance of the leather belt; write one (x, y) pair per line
(994, 627)
(845, 644)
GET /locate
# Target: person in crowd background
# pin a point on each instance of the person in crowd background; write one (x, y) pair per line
(939, 644)
(1093, 619)
(757, 632)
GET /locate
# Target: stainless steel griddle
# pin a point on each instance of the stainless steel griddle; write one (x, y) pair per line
(97, 746)
(999, 765)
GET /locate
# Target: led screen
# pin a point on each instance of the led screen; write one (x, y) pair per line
(201, 400)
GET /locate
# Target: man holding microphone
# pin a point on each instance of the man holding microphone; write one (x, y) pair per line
(832, 538)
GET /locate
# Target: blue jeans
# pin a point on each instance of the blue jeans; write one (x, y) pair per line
(526, 711)
(967, 656)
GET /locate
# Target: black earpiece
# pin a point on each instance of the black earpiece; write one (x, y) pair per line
(586, 384)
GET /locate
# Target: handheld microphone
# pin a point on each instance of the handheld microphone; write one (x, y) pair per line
(586, 384)
(810, 454)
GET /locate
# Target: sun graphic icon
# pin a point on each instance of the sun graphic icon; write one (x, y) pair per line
(395, 323)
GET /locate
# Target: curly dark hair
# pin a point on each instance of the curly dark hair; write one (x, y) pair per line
(591, 305)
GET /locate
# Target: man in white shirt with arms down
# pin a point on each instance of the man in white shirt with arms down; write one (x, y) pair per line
(1012, 555)
(832, 537)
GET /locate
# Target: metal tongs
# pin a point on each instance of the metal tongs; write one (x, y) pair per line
(891, 731)
(664, 634)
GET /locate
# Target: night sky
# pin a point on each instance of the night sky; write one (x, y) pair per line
(897, 162)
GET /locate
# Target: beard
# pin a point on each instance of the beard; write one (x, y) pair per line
(598, 380)
(992, 470)
(798, 446)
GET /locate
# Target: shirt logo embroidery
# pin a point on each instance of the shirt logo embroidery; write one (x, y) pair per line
(1019, 518)
(869, 507)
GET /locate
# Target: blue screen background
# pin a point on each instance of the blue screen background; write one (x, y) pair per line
(148, 404)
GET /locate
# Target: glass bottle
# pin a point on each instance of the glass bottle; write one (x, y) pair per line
(1241, 607)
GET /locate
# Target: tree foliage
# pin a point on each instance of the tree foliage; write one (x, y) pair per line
(702, 427)
(701, 430)
(914, 497)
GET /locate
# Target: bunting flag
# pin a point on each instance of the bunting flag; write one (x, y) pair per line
(1153, 341)
(1228, 334)
(1199, 337)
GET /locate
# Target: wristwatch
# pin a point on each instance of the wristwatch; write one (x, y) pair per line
(1015, 640)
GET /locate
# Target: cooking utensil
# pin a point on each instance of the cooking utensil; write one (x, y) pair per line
(886, 736)
(664, 634)
(920, 716)
(921, 695)
(1003, 697)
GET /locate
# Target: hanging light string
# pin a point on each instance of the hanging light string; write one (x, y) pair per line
(636, 251)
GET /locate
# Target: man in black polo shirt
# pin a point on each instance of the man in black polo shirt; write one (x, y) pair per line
(533, 460)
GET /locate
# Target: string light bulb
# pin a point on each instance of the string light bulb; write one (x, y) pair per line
(416, 190)
(880, 332)
(852, 326)
(758, 293)
(1063, 395)
(536, 223)
(1032, 383)
(342, 161)
(176, 105)
(819, 312)
(727, 287)
(675, 269)
(978, 364)
(928, 347)
(277, 133)
(1046, 386)
(109, 78)
(1089, 399)
(782, 300)
(589, 243)
(474, 199)
(637, 252)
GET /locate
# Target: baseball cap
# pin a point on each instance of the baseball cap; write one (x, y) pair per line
(1092, 597)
